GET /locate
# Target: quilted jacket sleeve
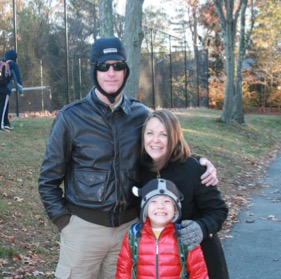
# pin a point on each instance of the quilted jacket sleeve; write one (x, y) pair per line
(125, 263)
(195, 264)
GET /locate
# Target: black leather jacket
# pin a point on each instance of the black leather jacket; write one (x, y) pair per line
(95, 152)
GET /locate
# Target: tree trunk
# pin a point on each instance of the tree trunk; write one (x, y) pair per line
(229, 90)
(229, 42)
(133, 36)
(238, 115)
(106, 18)
(232, 107)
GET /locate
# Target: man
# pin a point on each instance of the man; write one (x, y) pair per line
(5, 91)
(94, 149)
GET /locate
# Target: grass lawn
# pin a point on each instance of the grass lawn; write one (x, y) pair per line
(29, 242)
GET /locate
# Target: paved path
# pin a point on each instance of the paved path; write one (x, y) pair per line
(254, 252)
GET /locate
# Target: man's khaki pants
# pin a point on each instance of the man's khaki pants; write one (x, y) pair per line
(89, 251)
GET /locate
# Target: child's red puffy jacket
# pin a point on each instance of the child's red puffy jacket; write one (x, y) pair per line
(167, 265)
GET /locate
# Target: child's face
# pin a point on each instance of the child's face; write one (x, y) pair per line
(161, 210)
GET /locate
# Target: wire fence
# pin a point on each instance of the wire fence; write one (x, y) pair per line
(32, 99)
(171, 76)
(171, 80)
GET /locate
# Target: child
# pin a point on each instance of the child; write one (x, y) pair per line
(152, 248)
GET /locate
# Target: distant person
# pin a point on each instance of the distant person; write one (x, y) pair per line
(94, 151)
(166, 154)
(152, 249)
(5, 91)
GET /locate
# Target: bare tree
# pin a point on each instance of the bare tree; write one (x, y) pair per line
(229, 14)
(106, 18)
(193, 26)
(133, 36)
(266, 40)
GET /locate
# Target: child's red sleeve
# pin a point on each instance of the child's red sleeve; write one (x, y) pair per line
(196, 265)
(125, 262)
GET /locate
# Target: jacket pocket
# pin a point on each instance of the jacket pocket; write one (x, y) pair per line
(90, 186)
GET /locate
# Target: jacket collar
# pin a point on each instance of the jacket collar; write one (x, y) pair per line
(125, 104)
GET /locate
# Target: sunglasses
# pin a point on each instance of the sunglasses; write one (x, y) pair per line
(117, 66)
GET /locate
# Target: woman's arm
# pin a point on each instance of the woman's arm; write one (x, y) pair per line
(204, 210)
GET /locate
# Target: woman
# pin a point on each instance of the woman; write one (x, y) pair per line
(166, 154)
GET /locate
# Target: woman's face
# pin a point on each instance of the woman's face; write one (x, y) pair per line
(155, 139)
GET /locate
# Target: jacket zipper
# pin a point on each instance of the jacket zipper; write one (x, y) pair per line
(157, 254)
(158, 174)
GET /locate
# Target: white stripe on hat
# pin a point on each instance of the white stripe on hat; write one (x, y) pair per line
(110, 50)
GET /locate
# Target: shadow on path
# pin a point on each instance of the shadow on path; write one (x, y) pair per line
(253, 249)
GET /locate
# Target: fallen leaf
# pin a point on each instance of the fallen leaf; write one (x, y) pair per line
(18, 199)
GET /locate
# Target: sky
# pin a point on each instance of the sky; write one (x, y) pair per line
(121, 4)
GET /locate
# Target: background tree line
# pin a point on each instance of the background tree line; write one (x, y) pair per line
(243, 66)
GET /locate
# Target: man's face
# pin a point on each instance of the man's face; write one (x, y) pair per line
(111, 80)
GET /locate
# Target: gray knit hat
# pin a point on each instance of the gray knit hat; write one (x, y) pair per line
(156, 187)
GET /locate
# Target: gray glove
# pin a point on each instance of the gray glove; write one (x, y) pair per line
(191, 234)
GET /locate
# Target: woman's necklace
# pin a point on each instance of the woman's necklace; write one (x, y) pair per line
(158, 174)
